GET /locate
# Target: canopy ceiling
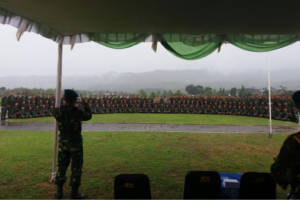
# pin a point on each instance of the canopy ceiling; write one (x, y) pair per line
(70, 17)
(191, 25)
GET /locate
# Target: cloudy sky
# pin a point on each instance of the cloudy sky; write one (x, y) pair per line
(35, 55)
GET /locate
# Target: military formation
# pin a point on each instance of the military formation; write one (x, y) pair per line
(24, 106)
(21, 106)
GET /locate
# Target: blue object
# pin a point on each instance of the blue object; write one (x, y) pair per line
(230, 184)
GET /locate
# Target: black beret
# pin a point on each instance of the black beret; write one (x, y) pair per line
(296, 97)
(70, 95)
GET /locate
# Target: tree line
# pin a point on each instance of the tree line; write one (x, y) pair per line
(196, 90)
(199, 90)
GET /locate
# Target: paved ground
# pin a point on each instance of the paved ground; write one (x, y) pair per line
(155, 128)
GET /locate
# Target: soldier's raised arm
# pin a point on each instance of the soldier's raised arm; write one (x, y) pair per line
(84, 112)
(87, 113)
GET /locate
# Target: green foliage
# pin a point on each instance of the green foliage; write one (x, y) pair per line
(190, 89)
(153, 94)
(167, 93)
(2, 90)
(143, 93)
(199, 90)
(233, 92)
(179, 93)
(222, 92)
(194, 90)
(243, 92)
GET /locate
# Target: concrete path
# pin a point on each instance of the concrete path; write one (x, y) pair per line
(155, 128)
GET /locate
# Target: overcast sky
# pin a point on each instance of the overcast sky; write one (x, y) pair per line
(35, 55)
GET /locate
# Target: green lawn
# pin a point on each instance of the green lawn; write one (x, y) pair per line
(25, 158)
(172, 119)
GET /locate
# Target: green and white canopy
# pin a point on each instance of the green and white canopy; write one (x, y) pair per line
(189, 29)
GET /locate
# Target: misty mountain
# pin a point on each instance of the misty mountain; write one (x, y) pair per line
(162, 79)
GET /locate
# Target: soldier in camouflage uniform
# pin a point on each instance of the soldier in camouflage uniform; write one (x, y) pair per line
(69, 117)
(11, 105)
(286, 168)
(4, 106)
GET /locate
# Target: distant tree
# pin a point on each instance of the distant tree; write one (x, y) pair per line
(221, 92)
(244, 92)
(265, 92)
(50, 91)
(178, 93)
(214, 92)
(169, 93)
(158, 93)
(143, 93)
(2, 91)
(233, 91)
(283, 90)
(153, 94)
(208, 91)
(191, 89)
(200, 89)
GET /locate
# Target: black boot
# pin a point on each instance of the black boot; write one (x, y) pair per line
(59, 193)
(75, 194)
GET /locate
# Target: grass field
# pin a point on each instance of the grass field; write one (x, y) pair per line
(25, 158)
(171, 119)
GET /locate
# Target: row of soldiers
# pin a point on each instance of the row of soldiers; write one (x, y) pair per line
(24, 106)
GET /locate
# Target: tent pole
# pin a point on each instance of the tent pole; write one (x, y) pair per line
(269, 94)
(57, 105)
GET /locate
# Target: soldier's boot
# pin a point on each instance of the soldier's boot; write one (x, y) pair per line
(75, 194)
(59, 192)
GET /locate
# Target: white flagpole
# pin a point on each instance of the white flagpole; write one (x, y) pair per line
(57, 105)
(270, 102)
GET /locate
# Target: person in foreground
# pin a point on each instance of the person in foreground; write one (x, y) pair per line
(69, 117)
(286, 168)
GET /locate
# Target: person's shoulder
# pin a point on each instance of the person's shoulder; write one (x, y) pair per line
(296, 136)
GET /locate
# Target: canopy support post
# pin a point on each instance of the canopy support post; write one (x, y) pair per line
(57, 105)
(269, 94)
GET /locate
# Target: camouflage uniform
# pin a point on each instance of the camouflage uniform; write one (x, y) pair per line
(286, 168)
(18, 106)
(11, 106)
(70, 141)
(4, 107)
